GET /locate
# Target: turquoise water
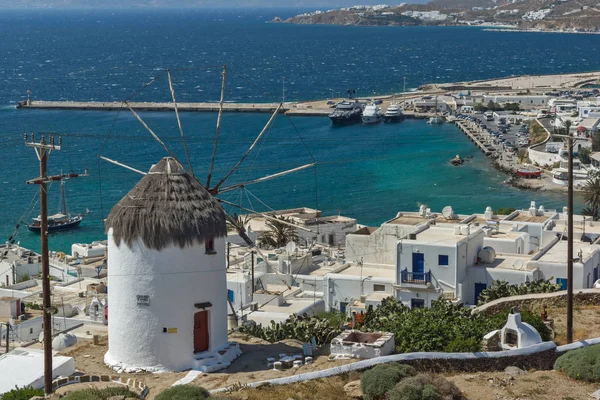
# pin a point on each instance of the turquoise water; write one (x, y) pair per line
(365, 172)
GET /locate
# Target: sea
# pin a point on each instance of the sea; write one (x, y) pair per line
(366, 172)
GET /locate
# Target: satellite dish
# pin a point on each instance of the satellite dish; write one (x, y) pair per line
(448, 212)
(290, 247)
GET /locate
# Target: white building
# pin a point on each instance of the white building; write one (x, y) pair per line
(166, 276)
(312, 226)
(459, 257)
(18, 264)
(523, 101)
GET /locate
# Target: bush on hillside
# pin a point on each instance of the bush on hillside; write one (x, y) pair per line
(425, 387)
(25, 393)
(582, 364)
(377, 381)
(442, 327)
(501, 289)
(184, 392)
(99, 394)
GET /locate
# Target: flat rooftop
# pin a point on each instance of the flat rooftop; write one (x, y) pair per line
(25, 367)
(523, 216)
(558, 252)
(381, 272)
(441, 236)
(509, 261)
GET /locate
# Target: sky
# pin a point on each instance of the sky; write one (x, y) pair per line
(190, 3)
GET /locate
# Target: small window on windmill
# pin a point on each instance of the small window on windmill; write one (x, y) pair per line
(511, 337)
(143, 300)
(209, 246)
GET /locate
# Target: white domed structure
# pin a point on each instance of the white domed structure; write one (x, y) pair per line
(166, 275)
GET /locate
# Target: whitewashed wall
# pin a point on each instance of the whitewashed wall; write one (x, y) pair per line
(174, 279)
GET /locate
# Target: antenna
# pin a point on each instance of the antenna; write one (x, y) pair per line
(448, 212)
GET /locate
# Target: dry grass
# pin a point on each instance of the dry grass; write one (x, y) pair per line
(586, 323)
(319, 389)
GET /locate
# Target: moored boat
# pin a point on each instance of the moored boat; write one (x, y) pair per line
(372, 114)
(346, 112)
(394, 113)
(61, 221)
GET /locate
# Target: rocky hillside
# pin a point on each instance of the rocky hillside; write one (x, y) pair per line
(556, 15)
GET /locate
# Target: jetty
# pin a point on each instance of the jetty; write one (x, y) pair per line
(149, 106)
(478, 136)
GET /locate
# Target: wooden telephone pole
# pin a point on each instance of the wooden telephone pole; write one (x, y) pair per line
(570, 234)
(43, 150)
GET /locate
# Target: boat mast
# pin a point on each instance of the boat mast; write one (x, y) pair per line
(64, 198)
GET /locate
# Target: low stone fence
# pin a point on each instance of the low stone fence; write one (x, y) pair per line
(135, 385)
(536, 302)
(540, 356)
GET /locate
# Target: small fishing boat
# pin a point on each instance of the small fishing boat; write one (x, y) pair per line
(529, 172)
(61, 221)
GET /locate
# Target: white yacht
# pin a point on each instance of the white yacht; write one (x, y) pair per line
(372, 114)
(394, 113)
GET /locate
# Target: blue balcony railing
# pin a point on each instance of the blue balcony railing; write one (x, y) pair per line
(407, 276)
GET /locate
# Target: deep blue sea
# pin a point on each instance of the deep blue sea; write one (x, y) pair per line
(365, 172)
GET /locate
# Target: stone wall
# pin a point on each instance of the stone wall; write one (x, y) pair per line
(536, 302)
(543, 360)
(135, 385)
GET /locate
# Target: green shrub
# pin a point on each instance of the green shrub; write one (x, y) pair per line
(415, 388)
(377, 381)
(582, 364)
(184, 392)
(442, 327)
(22, 394)
(464, 345)
(99, 394)
(501, 289)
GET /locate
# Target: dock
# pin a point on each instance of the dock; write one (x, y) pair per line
(149, 106)
(481, 138)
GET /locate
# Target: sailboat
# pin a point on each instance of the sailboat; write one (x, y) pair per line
(436, 119)
(60, 221)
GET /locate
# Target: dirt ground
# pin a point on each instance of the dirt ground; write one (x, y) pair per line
(251, 366)
(586, 323)
(540, 385)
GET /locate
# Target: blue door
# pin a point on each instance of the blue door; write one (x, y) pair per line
(479, 287)
(595, 274)
(562, 282)
(418, 266)
(343, 306)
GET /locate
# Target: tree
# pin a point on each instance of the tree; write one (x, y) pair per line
(279, 234)
(240, 220)
(596, 142)
(492, 106)
(591, 196)
(584, 155)
(512, 106)
(479, 107)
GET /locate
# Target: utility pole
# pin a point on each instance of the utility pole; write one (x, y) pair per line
(570, 244)
(283, 91)
(43, 150)
(569, 139)
(253, 288)
(7, 337)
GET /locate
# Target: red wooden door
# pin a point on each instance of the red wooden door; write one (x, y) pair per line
(200, 331)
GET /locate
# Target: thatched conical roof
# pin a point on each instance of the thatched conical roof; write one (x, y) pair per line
(168, 206)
